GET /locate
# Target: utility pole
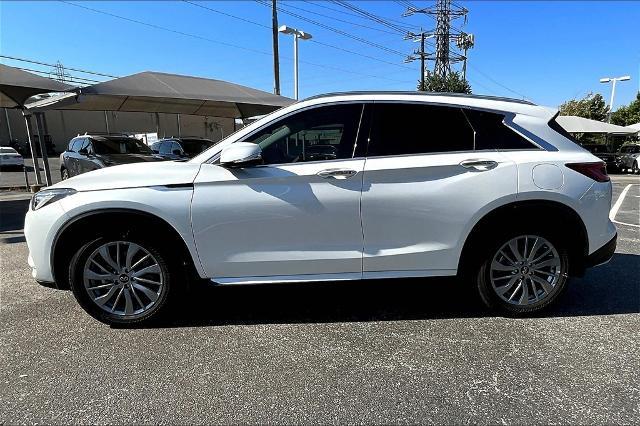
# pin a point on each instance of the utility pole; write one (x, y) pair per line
(418, 54)
(276, 55)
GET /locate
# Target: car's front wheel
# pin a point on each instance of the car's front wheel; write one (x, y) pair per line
(634, 168)
(121, 280)
(523, 272)
(64, 174)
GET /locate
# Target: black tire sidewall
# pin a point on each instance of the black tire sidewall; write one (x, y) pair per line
(483, 281)
(76, 283)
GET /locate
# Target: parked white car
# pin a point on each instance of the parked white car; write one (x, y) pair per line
(338, 187)
(9, 157)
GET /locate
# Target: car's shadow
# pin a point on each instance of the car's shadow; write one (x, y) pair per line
(608, 290)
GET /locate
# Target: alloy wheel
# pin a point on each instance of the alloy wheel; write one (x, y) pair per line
(123, 278)
(525, 270)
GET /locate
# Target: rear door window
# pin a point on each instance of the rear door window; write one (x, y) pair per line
(404, 129)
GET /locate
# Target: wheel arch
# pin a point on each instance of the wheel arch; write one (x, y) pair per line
(72, 233)
(566, 221)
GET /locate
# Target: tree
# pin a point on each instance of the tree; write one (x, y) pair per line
(627, 115)
(452, 83)
(591, 106)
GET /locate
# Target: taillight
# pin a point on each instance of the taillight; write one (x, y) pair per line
(596, 171)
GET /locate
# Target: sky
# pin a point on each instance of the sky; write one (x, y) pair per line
(544, 51)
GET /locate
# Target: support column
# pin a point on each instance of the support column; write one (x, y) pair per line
(43, 147)
(32, 147)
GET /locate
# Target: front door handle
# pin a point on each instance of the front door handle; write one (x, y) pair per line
(479, 165)
(337, 173)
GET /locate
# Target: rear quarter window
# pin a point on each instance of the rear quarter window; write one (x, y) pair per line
(492, 133)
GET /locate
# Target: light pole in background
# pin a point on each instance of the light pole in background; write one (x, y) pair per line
(613, 80)
(296, 35)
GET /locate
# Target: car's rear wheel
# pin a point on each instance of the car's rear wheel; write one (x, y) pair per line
(634, 168)
(64, 174)
(523, 272)
(121, 280)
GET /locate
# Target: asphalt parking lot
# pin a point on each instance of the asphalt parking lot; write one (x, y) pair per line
(12, 178)
(389, 351)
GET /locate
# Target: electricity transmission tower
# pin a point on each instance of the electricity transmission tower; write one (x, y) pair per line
(448, 40)
(59, 72)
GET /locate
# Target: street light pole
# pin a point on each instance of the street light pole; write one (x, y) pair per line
(613, 81)
(295, 66)
(296, 35)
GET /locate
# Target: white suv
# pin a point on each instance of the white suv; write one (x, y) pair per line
(339, 187)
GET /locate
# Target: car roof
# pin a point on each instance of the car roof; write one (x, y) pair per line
(491, 103)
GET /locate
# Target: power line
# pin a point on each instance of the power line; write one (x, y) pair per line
(357, 15)
(199, 37)
(368, 15)
(339, 20)
(335, 30)
(53, 65)
(488, 77)
(312, 40)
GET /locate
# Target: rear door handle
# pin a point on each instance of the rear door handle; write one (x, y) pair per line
(337, 173)
(479, 165)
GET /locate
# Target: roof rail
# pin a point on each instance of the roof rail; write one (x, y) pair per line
(416, 93)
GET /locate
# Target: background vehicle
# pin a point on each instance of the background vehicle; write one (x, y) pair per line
(9, 157)
(90, 152)
(180, 148)
(629, 157)
(604, 153)
(488, 189)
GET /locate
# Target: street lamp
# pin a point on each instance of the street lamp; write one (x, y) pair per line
(613, 80)
(296, 35)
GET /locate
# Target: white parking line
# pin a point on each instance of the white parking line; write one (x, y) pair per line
(616, 207)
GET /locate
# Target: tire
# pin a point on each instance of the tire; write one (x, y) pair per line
(634, 168)
(527, 290)
(64, 174)
(128, 296)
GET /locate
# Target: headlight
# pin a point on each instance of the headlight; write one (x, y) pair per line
(48, 196)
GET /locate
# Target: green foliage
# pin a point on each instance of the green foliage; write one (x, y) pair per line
(627, 115)
(591, 106)
(452, 83)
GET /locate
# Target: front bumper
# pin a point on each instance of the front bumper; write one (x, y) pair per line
(603, 254)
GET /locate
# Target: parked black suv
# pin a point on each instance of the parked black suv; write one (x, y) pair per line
(180, 148)
(604, 153)
(91, 152)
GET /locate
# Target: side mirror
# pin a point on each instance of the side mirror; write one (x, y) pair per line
(241, 154)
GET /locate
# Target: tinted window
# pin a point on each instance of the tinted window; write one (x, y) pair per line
(318, 134)
(399, 129)
(491, 132)
(120, 146)
(85, 144)
(164, 148)
(193, 147)
(156, 146)
(74, 145)
(175, 146)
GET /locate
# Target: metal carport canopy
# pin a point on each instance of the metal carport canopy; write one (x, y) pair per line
(16, 86)
(169, 93)
(573, 124)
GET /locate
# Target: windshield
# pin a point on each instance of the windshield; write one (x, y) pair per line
(120, 146)
(193, 147)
